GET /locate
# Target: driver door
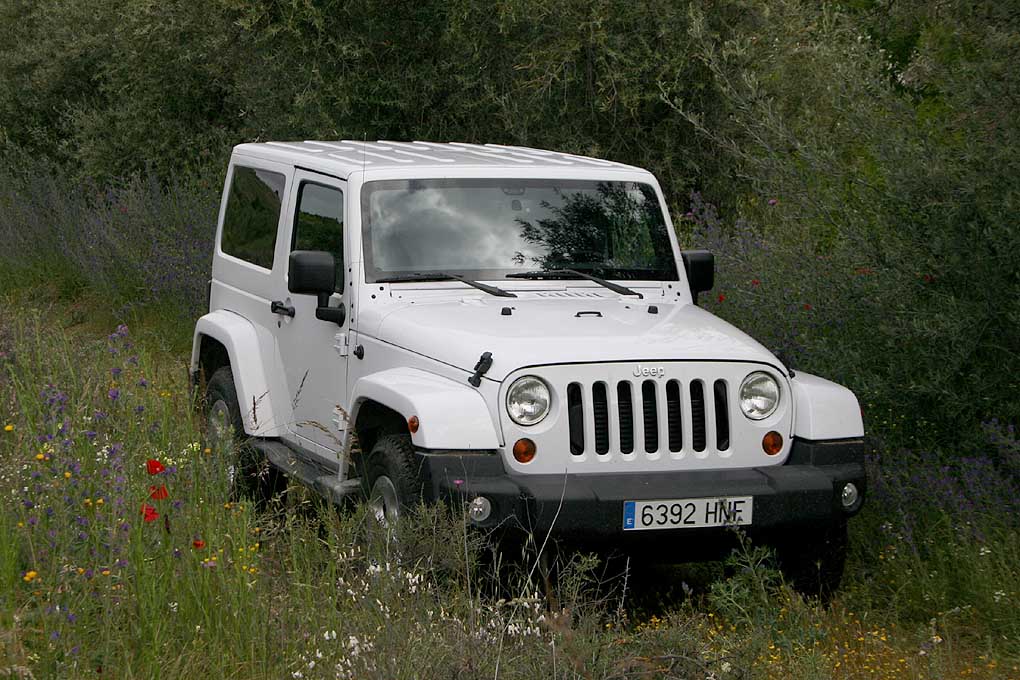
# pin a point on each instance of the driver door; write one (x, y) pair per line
(312, 352)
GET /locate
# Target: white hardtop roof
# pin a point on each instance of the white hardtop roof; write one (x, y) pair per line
(344, 157)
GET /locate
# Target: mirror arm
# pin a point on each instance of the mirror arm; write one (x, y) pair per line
(323, 312)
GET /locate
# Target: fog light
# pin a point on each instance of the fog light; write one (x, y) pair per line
(772, 443)
(850, 496)
(480, 509)
(524, 450)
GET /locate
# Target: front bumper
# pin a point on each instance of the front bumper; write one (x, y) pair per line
(803, 493)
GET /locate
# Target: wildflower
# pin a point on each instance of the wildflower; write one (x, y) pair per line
(149, 513)
(158, 493)
(985, 550)
(808, 307)
(773, 201)
(30, 576)
(114, 394)
(142, 382)
(100, 501)
(755, 282)
(67, 474)
(40, 456)
(198, 544)
(207, 451)
(154, 467)
(928, 278)
(105, 572)
(115, 372)
(8, 428)
(721, 298)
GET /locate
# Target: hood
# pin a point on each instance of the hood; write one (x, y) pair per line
(553, 330)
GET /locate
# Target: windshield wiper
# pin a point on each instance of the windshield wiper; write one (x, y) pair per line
(573, 273)
(446, 276)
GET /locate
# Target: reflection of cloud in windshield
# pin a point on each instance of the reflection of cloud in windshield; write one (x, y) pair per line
(448, 228)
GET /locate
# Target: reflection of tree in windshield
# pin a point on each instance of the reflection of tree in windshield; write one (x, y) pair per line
(617, 230)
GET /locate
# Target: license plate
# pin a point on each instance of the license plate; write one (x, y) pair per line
(687, 513)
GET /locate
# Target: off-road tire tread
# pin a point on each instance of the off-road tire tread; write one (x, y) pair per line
(393, 455)
(251, 480)
(814, 564)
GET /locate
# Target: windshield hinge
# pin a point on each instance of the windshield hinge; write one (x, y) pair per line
(341, 344)
(483, 365)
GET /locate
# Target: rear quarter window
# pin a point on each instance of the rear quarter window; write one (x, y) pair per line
(253, 215)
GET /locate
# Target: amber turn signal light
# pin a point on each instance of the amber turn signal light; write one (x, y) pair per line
(413, 424)
(524, 450)
(772, 443)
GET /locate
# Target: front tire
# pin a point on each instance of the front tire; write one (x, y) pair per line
(248, 474)
(392, 484)
(813, 564)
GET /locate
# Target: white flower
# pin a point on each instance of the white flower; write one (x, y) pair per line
(329, 635)
(985, 551)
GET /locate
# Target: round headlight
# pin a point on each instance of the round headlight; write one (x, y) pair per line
(759, 395)
(527, 400)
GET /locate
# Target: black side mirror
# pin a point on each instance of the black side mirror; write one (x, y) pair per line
(700, 267)
(313, 272)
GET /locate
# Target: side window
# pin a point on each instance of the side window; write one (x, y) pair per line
(253, 215)
(319, 224)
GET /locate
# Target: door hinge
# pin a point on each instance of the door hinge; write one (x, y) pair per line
(341, 344)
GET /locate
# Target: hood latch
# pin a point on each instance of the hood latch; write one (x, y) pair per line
(483, 365)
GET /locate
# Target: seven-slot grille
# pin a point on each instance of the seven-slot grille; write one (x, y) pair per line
(648, 416)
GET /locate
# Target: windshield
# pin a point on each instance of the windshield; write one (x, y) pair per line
(491, 228)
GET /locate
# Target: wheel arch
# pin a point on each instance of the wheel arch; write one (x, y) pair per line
(450, 415)
(223, 338)
(824, 409)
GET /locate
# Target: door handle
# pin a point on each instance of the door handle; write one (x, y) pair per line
(279, 308)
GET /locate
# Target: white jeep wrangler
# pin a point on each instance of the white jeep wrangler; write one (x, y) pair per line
(517, 330)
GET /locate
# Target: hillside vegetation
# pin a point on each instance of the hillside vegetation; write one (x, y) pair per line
(855, 167)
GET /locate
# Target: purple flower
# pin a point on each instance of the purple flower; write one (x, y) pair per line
(114, 394)
(142, 382)
(115, 372)
(773, 201)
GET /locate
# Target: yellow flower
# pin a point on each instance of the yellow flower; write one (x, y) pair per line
(30, 576)
(40, 456)
(80, 571)
(99, 501)
(88, 501)
(67, 475)
(207, 451)
(8, 428)
(105, 572)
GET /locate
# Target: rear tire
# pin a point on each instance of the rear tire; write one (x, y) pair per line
(392, 484)
(249, 474)
(813, 565)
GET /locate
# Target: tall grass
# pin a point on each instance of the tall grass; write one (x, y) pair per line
(123, 554)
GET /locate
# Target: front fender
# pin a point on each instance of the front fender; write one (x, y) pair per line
(824, 410)
(240, 339)
(451, 415)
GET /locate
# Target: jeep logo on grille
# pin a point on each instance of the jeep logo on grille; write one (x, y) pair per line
(649, 371)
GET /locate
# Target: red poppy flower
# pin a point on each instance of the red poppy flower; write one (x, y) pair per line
(721, 298)
(154, 467)
(149, 513)
(158, 493)
(928, 278)
(807, 306)
(755, 282)
(198, 544)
